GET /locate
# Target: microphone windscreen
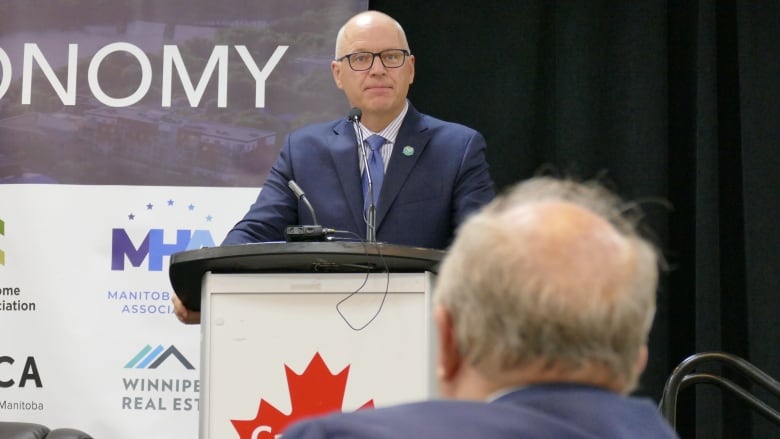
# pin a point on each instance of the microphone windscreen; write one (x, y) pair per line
(295, 188)
(354, 114)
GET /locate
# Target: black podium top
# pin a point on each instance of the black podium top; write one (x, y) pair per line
(188, 267)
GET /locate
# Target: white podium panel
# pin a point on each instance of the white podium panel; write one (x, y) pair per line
(280, 347)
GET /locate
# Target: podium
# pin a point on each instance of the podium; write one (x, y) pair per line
(292, 330)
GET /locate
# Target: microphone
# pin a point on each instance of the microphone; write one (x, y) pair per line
(301, 196)
(305, 233)
(354, 116)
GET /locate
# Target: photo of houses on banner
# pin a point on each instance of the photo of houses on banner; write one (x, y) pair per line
(162, 99)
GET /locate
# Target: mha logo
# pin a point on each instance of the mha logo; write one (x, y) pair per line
(154, 243)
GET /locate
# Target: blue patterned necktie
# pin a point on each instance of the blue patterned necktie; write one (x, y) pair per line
(376, 166)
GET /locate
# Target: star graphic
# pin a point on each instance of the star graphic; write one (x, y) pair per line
(149, 208)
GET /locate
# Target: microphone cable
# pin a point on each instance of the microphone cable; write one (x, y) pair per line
(368, 268)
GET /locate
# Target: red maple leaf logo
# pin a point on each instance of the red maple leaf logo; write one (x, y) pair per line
(314, 392)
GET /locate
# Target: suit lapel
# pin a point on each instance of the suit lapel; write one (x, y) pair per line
(344, 154)
(413, 133)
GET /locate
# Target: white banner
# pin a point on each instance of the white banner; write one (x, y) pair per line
(90, 340)
(129, 132)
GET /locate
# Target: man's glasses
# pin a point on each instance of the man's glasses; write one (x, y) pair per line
(390, 58)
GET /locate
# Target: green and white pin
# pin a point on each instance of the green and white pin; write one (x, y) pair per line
(408, 151)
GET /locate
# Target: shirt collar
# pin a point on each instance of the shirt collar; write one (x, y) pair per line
(502, 393)
(390, 132)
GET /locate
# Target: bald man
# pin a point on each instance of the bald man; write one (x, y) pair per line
(433, 173)
(543, 308)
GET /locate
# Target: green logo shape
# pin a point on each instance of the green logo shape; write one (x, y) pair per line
(2, 232)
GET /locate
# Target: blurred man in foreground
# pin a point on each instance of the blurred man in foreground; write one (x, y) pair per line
(543, 308)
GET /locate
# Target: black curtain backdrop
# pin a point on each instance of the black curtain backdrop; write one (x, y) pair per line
(677, 104)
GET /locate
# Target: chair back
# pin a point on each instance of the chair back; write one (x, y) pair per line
(683, 376)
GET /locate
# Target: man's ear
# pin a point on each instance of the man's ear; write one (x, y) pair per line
(448, 359)
(411, 73)
(641, 359)
(335, 68)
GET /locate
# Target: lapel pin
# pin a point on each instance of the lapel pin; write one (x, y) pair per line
(408, 151)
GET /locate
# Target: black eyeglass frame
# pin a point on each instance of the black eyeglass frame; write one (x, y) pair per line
(374, 55)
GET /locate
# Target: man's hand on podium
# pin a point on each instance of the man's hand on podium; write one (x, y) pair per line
(185, 315)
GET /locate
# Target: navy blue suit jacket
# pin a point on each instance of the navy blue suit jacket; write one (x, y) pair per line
(427, 191)
(544, 411)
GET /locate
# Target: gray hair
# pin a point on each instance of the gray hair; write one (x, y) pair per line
(565, 305)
